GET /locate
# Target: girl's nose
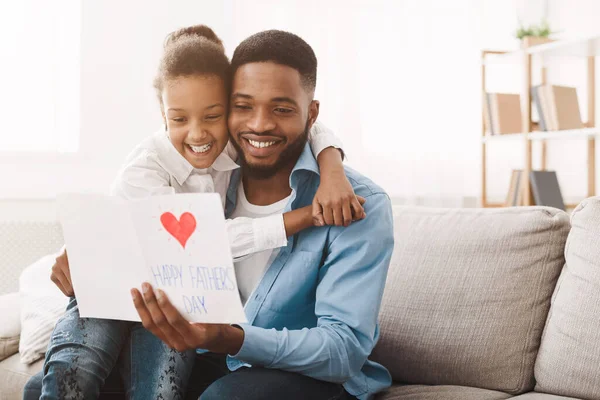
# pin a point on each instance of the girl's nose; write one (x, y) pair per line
(198, 134)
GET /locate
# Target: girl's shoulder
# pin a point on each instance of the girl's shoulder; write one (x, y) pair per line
(150, 146)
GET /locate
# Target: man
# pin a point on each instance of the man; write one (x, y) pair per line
(312, 306)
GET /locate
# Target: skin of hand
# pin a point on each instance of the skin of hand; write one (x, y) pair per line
(61, 274)
(335, 202)
(161, 318)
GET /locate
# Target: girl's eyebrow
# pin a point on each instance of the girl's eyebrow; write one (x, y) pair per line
(207, 108)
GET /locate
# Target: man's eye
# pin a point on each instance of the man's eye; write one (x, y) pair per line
(241, 107)
(283, 110)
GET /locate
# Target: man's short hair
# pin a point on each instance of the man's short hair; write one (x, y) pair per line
(279, 47)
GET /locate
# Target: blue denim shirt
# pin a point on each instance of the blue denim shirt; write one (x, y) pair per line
(315, 310)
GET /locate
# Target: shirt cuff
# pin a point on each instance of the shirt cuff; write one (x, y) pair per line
(321, 138)
(269, 232)
(259, 347)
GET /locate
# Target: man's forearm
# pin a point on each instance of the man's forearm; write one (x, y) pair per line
(319, 352)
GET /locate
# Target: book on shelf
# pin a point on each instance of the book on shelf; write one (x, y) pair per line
(544, 189)
(557, 107)
(502, 113)
(535, 96)
(512, 198)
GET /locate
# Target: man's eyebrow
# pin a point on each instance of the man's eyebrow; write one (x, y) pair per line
(284, 100)
(241, 96)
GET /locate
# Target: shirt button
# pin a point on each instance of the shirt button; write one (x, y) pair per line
(257, 297)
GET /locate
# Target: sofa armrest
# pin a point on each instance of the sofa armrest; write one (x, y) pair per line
(10, 324)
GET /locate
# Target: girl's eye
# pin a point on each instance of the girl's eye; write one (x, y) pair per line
(178, 119)
(213, 117)
(283, 110)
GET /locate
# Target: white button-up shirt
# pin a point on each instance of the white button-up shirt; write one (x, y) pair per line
(155, 167)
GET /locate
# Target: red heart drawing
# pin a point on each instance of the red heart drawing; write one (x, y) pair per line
(182, 229)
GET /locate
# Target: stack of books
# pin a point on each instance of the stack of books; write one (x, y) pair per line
(544, 188)
(557, 107)
(502, 113)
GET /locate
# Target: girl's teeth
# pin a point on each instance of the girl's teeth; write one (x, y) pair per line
(201, 149)
(260, 145)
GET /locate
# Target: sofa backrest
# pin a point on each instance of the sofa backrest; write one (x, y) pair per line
(467, 295)
(569, 358)
(23, 243)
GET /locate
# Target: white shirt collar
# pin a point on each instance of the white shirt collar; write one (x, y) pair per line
(179, 167)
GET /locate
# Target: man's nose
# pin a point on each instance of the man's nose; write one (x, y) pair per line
(261, 121)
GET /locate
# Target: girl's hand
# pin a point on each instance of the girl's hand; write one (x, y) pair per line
(335, 202)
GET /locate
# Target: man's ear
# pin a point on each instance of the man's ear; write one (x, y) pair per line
(313, 112)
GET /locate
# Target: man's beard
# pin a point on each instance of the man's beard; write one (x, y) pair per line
(288, 156)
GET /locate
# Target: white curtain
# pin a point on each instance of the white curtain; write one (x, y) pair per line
(39, 65)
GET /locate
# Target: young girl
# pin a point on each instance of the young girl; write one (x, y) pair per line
(191, 155)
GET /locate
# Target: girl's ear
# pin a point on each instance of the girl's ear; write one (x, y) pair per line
(313, 112)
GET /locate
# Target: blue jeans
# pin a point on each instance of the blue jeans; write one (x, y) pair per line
(211, 380)
(84, 351)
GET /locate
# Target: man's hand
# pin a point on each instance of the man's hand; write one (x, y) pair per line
(161, 318)
(335, 202)
(61, 274)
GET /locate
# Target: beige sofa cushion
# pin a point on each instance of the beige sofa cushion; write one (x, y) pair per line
(569, 359)
(468, 293)
(541, 396)
(421, 392)
(10, 324)
(14, 375)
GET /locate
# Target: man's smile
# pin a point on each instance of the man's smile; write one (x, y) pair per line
(261, 145)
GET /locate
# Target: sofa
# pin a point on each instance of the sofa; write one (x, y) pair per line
(479, 304)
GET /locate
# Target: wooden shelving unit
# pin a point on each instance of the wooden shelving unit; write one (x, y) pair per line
(546, 54)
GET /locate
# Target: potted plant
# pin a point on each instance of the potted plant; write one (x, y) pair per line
(534, 35)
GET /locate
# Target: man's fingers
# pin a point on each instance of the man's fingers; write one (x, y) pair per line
(174, 317)
(158, 317)
(146, 317)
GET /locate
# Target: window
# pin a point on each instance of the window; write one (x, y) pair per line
(39, 65)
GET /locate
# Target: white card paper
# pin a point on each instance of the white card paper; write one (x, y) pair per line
(178, 243)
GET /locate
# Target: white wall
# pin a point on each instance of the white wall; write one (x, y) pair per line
(121, 45)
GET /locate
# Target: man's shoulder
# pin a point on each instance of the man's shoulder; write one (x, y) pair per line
(362, 185)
